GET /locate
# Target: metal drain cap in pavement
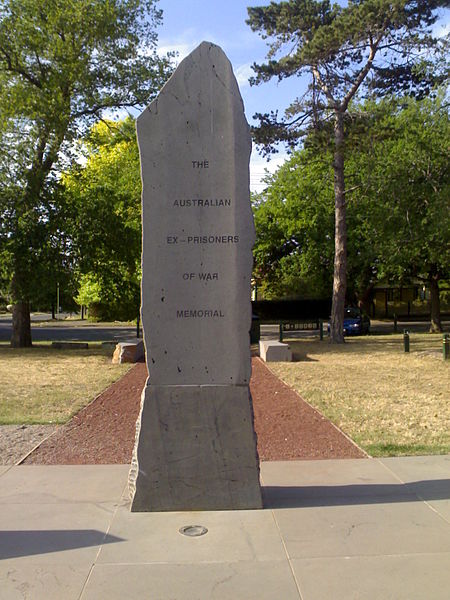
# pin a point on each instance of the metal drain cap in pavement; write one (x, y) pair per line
(193, 530)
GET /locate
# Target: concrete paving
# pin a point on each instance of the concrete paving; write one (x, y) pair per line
(364, 529)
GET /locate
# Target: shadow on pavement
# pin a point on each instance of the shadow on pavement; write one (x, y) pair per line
(27, 543)
(347, 495)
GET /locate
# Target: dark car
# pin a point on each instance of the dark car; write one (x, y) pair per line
(355, 322)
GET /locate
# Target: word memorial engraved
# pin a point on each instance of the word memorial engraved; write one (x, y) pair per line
(195, 443)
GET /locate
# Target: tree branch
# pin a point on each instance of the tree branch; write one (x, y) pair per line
(352, 189)
(323, 85)
(362, 74)
(19, 70)
(96, 109)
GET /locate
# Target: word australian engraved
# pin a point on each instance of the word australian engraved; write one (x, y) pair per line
(201, 202)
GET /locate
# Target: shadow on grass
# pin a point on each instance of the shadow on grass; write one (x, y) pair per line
(361, 345)
(46, 350)
(302, 357)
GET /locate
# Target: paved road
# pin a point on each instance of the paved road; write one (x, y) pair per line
(59, 332)
(73, 332)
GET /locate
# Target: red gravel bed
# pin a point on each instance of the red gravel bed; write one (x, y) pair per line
(103, 433)
(288, 428)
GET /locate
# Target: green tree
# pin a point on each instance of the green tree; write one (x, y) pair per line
(104, 218)
(402, 185)
(62, 64)
(294, 229)
(368, 44)
(397, 168)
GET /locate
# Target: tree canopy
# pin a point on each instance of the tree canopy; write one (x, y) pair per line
(397, 167)
(402, 182)
(294, 224)
(63, 63)
(103, 216)
(371, 45)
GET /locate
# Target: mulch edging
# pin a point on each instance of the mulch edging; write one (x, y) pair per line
(287, 427)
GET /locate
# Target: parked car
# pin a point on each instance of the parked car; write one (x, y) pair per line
(355, 322)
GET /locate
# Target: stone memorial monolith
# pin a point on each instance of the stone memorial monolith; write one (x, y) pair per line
(195, 442)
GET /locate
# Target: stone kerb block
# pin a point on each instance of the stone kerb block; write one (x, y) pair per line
(273, 351)
(128, 351)
(195, 443)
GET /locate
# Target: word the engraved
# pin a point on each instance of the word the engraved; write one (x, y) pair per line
(202, 202)
(200, 164)
(203, 239)
(200, 314)
(201, 276)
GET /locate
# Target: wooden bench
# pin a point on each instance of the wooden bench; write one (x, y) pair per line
(300, 325)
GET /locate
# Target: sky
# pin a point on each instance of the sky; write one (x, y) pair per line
(187, 23)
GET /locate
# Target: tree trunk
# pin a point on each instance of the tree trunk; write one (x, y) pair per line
(435, 306)
(21, 325)
(366, 298)
(340, 236)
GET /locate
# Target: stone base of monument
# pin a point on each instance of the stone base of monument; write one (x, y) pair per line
(128, 351)
(272, 351)
(195, 450)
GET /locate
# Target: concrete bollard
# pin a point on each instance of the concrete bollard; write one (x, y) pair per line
(446, 346)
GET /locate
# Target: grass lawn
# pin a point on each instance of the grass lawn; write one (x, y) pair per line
(389, 402)
(45, 385)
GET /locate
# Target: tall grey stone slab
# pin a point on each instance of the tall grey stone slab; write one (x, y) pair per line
(198, 228)
(195, 443)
